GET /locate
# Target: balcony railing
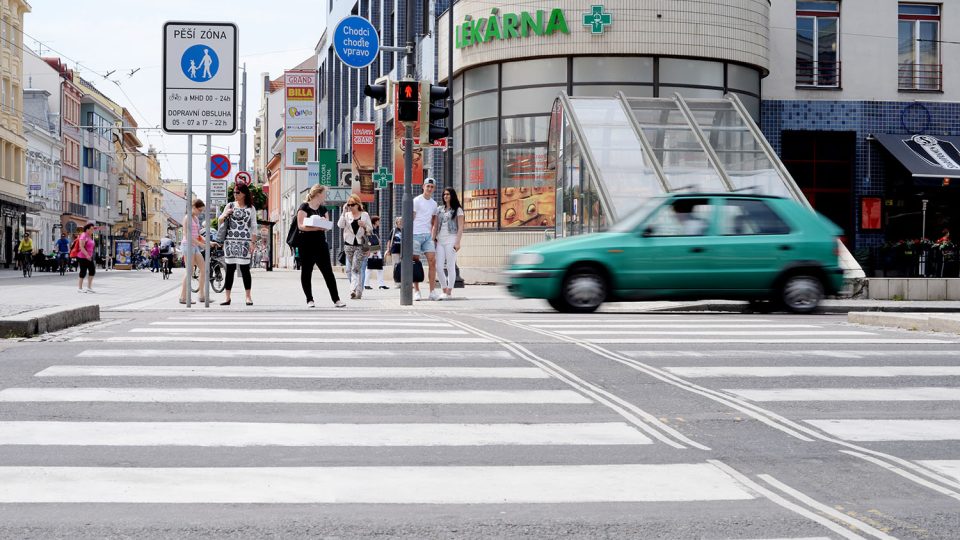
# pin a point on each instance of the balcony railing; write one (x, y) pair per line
(74, 208)
(923, 77)
(818, 73)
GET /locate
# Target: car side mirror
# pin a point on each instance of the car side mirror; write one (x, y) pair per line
(647, 232)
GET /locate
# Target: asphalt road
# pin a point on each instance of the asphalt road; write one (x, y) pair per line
(469, 424)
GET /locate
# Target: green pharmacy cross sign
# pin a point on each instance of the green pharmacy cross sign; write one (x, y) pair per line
(382, 178)
(597, 20)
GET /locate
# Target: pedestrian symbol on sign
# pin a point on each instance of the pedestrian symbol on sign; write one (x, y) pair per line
(200, 63)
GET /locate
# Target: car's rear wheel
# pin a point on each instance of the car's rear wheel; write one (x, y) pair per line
(583, 290)
(801, 293)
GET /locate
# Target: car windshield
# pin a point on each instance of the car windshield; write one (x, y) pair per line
(631, 221)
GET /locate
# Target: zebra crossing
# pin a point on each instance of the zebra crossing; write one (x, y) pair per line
(902, 398)
(907, 407)
(250, 384)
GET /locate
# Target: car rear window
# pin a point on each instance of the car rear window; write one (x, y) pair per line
(745, 217)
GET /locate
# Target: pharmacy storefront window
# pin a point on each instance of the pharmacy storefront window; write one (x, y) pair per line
(528, 189)
(480, 188)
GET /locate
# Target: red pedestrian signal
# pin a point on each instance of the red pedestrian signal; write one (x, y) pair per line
(408, 101)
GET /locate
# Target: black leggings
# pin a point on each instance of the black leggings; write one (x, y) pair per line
(244, 273)
(86, 265)
(321, 258)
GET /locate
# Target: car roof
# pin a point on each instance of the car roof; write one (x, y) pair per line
(725, 194)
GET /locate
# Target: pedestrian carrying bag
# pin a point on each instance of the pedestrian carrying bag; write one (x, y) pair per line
(222, 229)
(417, 272)
(293, 235)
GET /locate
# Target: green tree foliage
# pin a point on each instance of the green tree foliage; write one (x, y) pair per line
(259, 197)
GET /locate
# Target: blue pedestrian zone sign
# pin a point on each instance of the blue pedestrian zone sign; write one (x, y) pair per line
(356, 42)
(200, 63)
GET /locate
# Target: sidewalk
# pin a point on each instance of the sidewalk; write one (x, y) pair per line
(279, 290)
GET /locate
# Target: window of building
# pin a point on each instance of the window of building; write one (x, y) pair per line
(918, 33)
(97, 123)
(818, 45)
(822, 163)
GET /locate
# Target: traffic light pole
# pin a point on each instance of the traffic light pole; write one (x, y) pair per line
(406, 240)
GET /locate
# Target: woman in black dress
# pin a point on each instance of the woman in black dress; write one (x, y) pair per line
(312, 243)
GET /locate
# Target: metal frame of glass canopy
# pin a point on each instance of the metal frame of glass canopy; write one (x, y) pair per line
(613, 154)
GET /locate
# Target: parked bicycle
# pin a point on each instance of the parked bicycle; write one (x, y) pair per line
(216, 273)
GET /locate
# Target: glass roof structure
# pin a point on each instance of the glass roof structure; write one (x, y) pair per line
(613, 154)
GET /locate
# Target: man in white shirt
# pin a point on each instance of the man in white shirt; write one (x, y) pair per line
(424, 217)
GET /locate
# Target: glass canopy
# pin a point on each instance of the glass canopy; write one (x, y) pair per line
(613, 154)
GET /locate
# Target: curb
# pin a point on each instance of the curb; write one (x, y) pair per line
(926, 323)
(46, 320)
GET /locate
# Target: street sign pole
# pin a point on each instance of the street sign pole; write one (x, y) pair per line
(206, 259)
(406, 241)
(188, 241)
(199, 98)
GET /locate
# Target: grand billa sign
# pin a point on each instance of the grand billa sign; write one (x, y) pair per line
(300, 119)
(526, 24)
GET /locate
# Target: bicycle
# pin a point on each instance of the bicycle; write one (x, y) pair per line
(62, 263)
(215, 273)
(165, 269)
(27, 264)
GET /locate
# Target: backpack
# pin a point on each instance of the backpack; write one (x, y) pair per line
(75, 248)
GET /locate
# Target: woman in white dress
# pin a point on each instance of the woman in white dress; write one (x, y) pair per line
(241, 219)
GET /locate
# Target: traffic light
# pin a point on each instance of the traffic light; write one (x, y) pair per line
(381, 91)
(430, 93)
(408, 101)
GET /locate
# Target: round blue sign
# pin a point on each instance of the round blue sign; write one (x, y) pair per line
(200, 63)
(356, 42)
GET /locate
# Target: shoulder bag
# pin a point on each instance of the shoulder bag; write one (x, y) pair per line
(222, 228)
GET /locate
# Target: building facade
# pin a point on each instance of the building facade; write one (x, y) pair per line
(828, 81)
(100, 169)
(73, 212)
(849, 78)
(13, 145)
(44, 149)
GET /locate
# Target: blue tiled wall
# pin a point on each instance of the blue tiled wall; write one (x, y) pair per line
(864, 118)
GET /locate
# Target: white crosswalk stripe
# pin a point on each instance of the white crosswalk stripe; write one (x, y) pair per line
(284, 328)
(371, 485)
(673, 329)
(296, 372)
(280, 434)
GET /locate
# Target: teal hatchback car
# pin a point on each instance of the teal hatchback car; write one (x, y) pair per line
(768, 250)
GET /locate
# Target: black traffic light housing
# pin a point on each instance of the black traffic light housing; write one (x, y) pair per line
(408, 101)
(381, 91)
(430, 93)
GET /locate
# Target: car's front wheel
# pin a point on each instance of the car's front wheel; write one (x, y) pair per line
(583, 290)
(801, 294)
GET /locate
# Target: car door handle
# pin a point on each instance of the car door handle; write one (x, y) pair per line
(697, 250)
(785, 248)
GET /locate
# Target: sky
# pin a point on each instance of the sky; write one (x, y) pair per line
(99, 36)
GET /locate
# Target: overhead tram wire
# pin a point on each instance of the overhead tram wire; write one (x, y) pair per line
(105, 76)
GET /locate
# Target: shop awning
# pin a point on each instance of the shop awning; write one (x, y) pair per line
(930, 159)
(23, 204)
